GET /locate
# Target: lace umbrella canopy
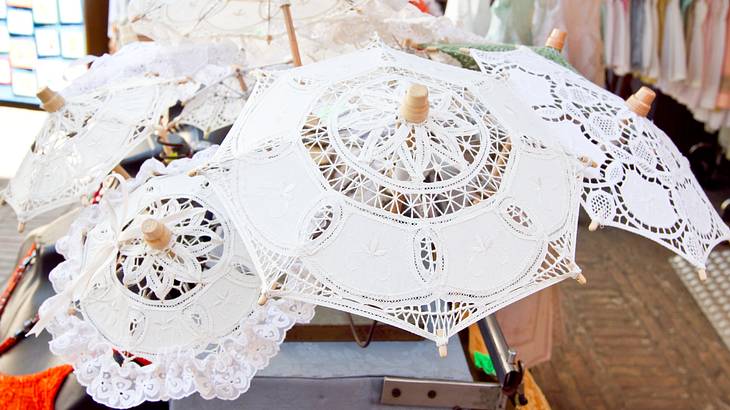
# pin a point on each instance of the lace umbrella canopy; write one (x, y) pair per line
(175, 20)
(427, 219)
(217, 105)
(204, 62)
(642, 184)
(84, 138)
(162, 309)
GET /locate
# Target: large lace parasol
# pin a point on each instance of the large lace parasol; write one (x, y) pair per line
(85, 137)
(428, 218)
(642, 183)
(164, 295)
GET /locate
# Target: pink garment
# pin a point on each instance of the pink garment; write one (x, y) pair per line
(528, 325)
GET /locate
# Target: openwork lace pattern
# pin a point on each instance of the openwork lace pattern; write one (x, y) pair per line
(643, 183)
(215, 106)
(426, 226)
(79, 144)
(160, 325)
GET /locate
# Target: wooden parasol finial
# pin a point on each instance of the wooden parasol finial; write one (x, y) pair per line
(51, 101)
(640, 102)
(556, 39)
(415, 104)
(293, 44)
(156, 234)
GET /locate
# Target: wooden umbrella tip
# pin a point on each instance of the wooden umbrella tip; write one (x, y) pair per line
(415, 104)
(51, 101)
(155, 233)
(640, 102)
(702, 274)
(556, 39)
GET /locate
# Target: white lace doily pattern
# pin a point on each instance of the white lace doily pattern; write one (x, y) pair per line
(163, 324)
(643, 183)
(79, 144)
(427, 226)
(215, 106)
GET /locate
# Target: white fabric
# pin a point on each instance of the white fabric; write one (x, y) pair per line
(714, 52)
(471, 15)
(191, 310)
(397, 221)
(643, 184)
(175, 20)
(79, 144)
(140, 59)
(650, 39)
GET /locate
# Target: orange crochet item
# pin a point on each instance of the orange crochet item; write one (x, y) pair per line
(34, 391)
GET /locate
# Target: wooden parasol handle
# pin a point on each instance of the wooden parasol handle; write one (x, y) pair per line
(293, 44)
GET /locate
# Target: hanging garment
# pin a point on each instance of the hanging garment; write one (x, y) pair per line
(617, 29)
(714, 43)
(636, 17)
(34, 391)
(511, 22)
(723, 95)
(581, 19)
(673, 60)
(470, 15)
(650, 40)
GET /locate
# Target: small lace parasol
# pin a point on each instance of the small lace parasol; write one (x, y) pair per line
(85, 137)
(162, 295)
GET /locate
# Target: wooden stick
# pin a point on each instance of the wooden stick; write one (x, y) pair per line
(640, 102)
(556, 39)
(581, 279)
(156, 234)
(443, 349)
(593, 226)
(241, 80)
(21, 227)
(264, 296)
(702, 274)
(293, 44)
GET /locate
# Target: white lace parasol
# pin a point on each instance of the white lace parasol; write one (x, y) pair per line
(216, 105)
(85, 139)
(159, 320)
(428, 220)
(174, 20)
(643, 184)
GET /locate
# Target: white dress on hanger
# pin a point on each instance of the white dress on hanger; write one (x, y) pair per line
(673, 61)
(714, 50)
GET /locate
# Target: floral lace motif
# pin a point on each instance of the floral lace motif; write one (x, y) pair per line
(216, 106)
(159, 325)
(643, 183)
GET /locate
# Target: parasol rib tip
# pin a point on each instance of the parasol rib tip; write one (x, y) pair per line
(593, 225)
(443, 349)
(556, 39)
(21, 227)
(581, 279)
(51, 101)
(702, 274)
(640, 102)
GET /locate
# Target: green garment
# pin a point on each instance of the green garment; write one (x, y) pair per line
(454, 50)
